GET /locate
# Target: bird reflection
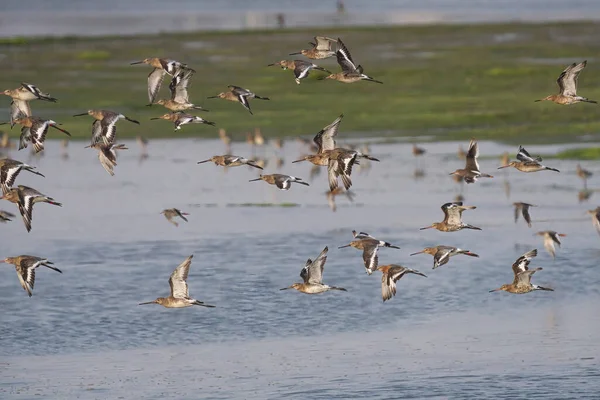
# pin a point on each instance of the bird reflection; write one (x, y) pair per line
(584, 195)
(418, 174)
(64, 145)
(336, 192)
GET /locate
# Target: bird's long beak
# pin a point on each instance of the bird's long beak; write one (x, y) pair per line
(148, 302)
(535, 101)
(212, 97)
(562, 234)
(495, 290)
(427, 227)
(504, 166)
(154, 118)
(5, 123)
(286, 288)
(137, 62)
(2, 261)
(419, 252)
(80, 115)
(202, 162)
(185, 213)
(302, 159)
(252, 180)
(341, 247)
(270, 65)
(295, 54)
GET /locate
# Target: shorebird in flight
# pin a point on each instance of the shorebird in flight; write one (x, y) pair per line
(312, 276)
(10, 169)
(595, 213)
(25, 267)
(179, 100)
(171, 213)
(523, 208)
(181, 118)
(25, 197)
(179, 297)
(5, 216)
(230, 161)
(240, 95)
(104, 126)
(301, 68)
(527, 163)
(21, 97)
(567, 84)
(107, 154)
(471, 171)
(550, 239)
(390, 275)
(34, 130)
(441, 254)
(350, 71)
(283, 182)
(453, 218)
(321, 48)
(522, 282)
(161, 66)
(369, 245)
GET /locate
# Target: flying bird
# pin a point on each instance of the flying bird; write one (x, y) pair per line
(522, 282)
(567, 85)
(312, 276)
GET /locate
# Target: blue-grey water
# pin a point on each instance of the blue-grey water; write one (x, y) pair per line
(82, 334)
(116, 17)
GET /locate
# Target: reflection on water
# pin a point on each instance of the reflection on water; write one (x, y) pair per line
(83, 335)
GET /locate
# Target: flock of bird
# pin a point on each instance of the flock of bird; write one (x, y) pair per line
(338, 160)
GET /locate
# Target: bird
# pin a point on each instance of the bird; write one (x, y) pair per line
(179, 297)
(522, 282)
(527, 163)
(104, 126)
(171, 213)
(179, 100)
(161, 66)
(452, 218)
(240, 95)
(283, 182)
(523, 208)
(21, 97)
(471, 171)
(5, 216)
(418, 151)
(34, 130)
(25, 197)
(370, 246)
(325, 141)
(550, 238)
(312, 276)
(361, 235)
(340, 164)
(10, 169)
(25, 267)
(230, 161)
(584, 174)
(321, 48)
(595, 213)
(301, 68)
(181, 118)
(390, 275)
(567, 84)
(441, 254)
(107, 154)
(350, 72)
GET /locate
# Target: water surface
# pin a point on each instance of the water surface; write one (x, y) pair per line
(82, 334)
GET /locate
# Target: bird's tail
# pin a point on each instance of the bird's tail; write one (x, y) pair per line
(261, 98)
(552, 169)
(471, 227)
(52, 201)
(200, 303)
(338, 288)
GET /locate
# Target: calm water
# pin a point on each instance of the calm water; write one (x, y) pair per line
(115, 17)
(82, 334)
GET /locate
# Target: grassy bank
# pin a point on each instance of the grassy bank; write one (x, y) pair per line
(451, 82)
